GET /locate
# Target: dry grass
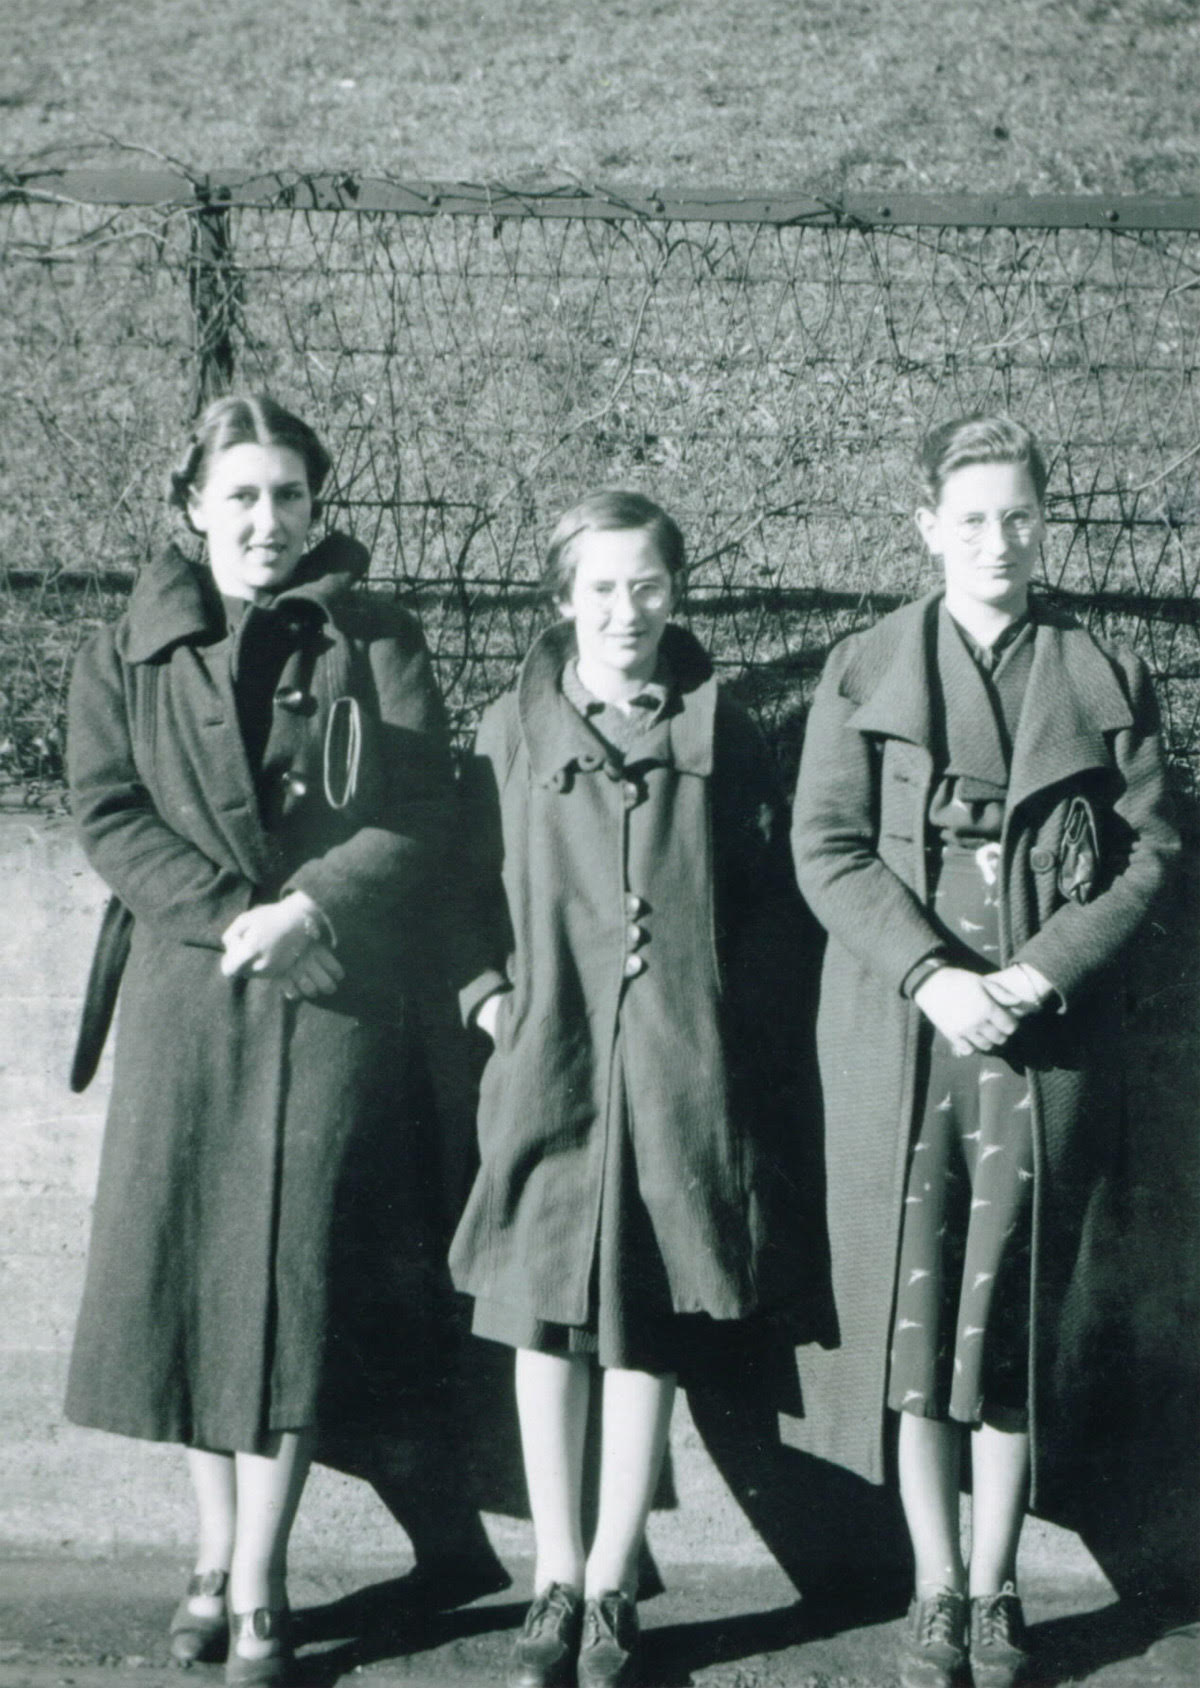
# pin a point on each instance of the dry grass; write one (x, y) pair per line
(726, 412)
(980, 95)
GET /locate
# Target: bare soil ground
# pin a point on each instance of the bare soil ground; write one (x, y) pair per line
(67, 1624)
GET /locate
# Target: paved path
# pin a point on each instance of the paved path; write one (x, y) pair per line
(67, 1623)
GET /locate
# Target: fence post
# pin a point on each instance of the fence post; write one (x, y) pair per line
(214, 289)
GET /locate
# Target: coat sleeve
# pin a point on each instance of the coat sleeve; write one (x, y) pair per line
(770, 943)
(835, 832)
(482, 938)
(1080, 939)
(397, 857)
(161, 877)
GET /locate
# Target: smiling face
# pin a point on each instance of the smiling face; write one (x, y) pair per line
(620, 600)
(254, 509)
(987, 532)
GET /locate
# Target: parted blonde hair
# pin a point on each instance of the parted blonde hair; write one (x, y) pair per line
(979, 438)
(610, 511)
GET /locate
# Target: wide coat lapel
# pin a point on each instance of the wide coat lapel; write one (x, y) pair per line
(1073, 703)
(899, 704)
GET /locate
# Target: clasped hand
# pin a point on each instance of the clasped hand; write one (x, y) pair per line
(276, 941)
(978, 1011)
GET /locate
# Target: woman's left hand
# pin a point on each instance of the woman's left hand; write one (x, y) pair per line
(317, 973)
(1019, 987)
(272, 940)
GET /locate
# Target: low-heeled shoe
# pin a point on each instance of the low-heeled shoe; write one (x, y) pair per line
(998, 1655)
(196, 1639)
(933, 1648)
(608, 1651)
(543, 1655)
(272, 1669)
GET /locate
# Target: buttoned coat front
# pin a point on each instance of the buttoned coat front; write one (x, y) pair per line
(651, 906)
(1088, 731)
(250, 1140)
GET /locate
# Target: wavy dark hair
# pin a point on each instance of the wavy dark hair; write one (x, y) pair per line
(245, 419)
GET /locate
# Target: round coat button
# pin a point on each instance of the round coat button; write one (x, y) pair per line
(290, 697)
(634, 964)
(629, 794)
(1041, 860)
(636, 935)
(634, 906)
(295, 784)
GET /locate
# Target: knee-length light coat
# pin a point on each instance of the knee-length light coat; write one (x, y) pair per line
(1088, 731)
(648, 915)
(255, 1148)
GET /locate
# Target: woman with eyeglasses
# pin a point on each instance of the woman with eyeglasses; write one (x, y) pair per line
(638, 1215)
(981, 824)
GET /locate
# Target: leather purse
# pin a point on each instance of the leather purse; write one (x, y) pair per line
(103, 986)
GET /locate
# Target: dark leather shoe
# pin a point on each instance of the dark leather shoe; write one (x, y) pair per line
(271, 1669)
(543, 1654)
(998, 1655)
(195, 1639)
(933, 1647)
(608, 1652)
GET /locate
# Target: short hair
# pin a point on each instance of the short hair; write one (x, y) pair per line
(979, 438)
(245, 419)
(610, 511)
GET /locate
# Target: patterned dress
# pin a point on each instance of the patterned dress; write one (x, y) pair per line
(960, 1330)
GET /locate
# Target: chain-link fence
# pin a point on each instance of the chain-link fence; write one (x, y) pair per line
(477, 359)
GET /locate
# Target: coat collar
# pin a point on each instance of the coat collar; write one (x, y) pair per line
(174, 601)
(556, 735)
(1072, 701)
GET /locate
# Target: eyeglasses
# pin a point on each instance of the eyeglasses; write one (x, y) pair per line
(1019, 526)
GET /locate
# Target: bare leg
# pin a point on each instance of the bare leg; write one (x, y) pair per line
(636, 1418)
(928, 1457)
(1000, 1487)
(213, 1484)
(552, 1403)
(269, 1487)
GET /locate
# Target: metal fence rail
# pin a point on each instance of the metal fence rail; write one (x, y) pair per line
(477, 357)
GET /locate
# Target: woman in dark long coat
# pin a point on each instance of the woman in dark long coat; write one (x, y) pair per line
(632, 1209)
(981, 823)
(260, 771)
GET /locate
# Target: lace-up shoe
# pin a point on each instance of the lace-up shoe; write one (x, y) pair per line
(998, 1655)
(933, 1647)
(608, 1653)
(544, 1653)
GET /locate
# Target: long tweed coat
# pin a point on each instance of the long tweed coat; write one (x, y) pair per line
(658, 908)
(255, 1148)
(1088, 729)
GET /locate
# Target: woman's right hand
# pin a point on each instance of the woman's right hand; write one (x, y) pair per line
(967, 1016)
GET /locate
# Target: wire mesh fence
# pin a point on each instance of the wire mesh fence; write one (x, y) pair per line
(476, 362)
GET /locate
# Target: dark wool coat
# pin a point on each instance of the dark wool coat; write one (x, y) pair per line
(1088, 729)
(680, 876)
(253, 1146)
